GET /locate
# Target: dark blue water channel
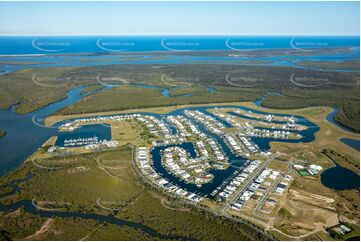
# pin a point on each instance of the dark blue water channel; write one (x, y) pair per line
(331, 118)
(100, 131)
(353, 143)
(340, 178)
(25, 134)
(237, 162)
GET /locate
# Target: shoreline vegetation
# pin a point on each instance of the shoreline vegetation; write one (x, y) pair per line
(315, 114)
(81, 181)
(80, 190)
(2, 133)
(187, 84)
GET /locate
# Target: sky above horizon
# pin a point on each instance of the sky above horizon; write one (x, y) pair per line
(179, 18)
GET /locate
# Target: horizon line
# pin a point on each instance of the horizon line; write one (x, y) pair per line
(180, 35)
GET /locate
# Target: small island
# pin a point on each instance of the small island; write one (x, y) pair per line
(2, 133)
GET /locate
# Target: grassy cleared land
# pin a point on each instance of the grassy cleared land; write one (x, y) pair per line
(301, 213)
(125, 133)
(328, 136)
(89, 182)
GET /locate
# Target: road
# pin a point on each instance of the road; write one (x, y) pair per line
(210, 210)
(246, 185)
(272, 188)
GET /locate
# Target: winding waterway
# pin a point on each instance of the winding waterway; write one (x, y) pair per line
(331, 118)
(29, 207)
(26, 133)
(238, 163)
(353, 143)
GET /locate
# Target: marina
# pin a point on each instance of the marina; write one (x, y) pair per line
(203, 166)
(212, 131)
(179, 121)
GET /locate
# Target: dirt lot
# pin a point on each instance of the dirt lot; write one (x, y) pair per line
(124, 133)
(304, 212)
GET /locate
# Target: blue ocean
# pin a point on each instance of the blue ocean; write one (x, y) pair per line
(17, 45)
